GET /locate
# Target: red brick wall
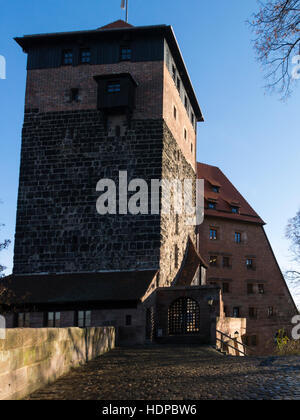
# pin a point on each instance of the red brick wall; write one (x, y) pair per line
(254, 244)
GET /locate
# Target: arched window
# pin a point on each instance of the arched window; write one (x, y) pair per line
(184, 317)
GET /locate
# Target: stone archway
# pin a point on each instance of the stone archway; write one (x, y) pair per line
(184, 317)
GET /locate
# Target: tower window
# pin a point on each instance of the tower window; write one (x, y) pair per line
(85, 56)
(213, 261)
(113, 87)
(213, 234)
(192, 147)
(238, 238)
(176, 256)
(84, 319)
(185, 134)
(175, 112)
(67, 57)
(53, 320)
(125, 53)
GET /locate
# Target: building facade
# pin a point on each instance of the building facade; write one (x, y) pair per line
(233, 242)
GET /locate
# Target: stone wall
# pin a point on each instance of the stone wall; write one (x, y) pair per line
(32, 358)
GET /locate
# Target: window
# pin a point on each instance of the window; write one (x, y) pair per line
(270, 311)
(238, 238)
(213, 261)
(125, 53)
(84, 319)
(85, 56)
(176, 256)
(128, 320)
(23, 320)
(249, 263)
(225, 287)
(53, 320)
(212, 205)
(236, 312)
(177, 225)
(175, 112)
(253, 313)
(226, 262)
(113, 87)
(185, 134)
(174, 72)
(261, 289)
(192, 148)
(74, 95)
(250, 289)
(67, 57)
(234, 209)
(213, 234)
(216, 189)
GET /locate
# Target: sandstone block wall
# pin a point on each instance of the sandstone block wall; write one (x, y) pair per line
(32, 358)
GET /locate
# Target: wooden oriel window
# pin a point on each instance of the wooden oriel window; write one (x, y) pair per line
(23, 320)
(84, 319)
(125, 53)
(53, 319)
(85, 56)
(67, 57)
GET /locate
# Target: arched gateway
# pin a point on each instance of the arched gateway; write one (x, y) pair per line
(184, 317)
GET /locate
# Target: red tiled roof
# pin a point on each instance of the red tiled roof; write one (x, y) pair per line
(118, 24)
(227, 197)
(190, 264)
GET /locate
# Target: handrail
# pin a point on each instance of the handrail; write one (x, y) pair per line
(229, 345)
(234, 340)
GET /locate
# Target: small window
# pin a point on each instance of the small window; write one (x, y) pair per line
(128, 320)
(270, 311)
(225, 287)
(212, 205)
(192, 148)
(261, 289)
(177, 225)
(216, 189)
(234, 209)
(226, 262)
(176, 256)
(184, 134)
(174, 72)
(67, 57)
(249, 263)
(84, 319)
(125, 53)
(250, 289)
(213, 234)
(23, 320)
(213, 261)
(53, 320)
(74, 95)
(175, 112)
(238, 238)
(85, 56)
(253, 313)
(236, 312)
(113, 87)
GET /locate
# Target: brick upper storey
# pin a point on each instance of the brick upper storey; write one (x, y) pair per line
(221, 194)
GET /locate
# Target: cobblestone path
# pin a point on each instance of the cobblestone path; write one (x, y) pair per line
(177, 373)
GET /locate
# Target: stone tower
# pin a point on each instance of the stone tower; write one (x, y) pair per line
(98, 102)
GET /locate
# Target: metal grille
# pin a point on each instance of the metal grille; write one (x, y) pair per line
(184, 317)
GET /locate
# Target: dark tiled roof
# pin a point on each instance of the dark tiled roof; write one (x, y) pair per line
(227, 197)
(117, 25)
(70, 288)
(191, 262)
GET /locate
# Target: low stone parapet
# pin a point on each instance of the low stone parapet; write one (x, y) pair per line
(32, 358)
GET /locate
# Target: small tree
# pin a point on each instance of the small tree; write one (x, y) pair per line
(293, 234)
(277, 29)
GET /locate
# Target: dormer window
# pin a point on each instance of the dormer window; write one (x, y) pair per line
(125, 53)
(212, 205)
(67, 57)
(85, 56)
(113, 87)
(215, 189)
(234, 209)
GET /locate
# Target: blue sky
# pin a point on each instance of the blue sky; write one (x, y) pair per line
(251, 136)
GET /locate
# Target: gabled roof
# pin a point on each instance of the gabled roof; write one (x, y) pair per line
(227, 197)
(85, 287)
(118, 24)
